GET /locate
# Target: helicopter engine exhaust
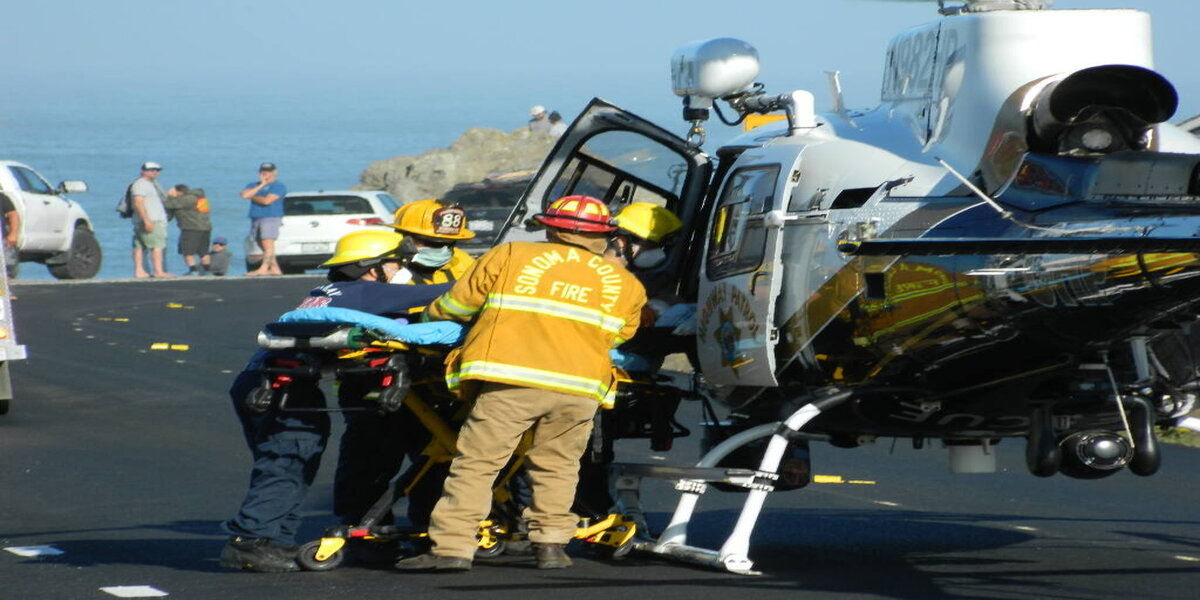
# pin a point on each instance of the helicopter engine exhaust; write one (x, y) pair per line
(1101, 109)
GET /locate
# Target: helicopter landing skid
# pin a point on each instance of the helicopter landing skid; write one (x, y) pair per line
(733, 556)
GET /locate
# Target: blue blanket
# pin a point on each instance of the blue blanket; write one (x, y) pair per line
(421, 334)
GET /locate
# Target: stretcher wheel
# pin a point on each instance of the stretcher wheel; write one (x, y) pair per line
(495, 549)
(307, 558)
(391, 399)
(259, 399)
(623, 550)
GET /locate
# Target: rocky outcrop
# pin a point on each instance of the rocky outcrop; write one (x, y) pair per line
(476, 154)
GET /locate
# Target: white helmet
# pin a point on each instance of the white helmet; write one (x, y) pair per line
(537, 109)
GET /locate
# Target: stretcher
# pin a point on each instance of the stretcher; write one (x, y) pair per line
(301, 353)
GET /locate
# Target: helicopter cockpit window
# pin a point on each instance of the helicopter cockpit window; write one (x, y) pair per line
(621, 167)
(739, 239)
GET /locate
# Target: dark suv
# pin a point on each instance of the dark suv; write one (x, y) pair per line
(488, 204)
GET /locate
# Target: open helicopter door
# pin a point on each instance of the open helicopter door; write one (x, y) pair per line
(742, 274)
(619, 158)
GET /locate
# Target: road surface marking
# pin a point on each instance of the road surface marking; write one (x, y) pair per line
(133, 591)
(34, 551)
(885, 503)
(839, 479)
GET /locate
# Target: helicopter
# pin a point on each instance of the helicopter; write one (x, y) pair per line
(1005, 247)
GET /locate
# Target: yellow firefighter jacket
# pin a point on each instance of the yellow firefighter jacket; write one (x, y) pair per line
(543, 315)
(459, 263)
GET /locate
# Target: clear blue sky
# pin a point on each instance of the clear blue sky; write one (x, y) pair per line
(509, 52)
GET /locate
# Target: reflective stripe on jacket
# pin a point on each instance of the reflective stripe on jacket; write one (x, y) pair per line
(544, 315)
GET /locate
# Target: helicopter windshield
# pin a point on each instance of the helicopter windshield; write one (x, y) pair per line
(620, 167)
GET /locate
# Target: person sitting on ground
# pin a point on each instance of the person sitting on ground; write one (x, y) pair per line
(218, 257)
(287, 446)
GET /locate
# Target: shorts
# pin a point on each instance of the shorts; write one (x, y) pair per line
(150, 239)
(265, 228)
(194, 241)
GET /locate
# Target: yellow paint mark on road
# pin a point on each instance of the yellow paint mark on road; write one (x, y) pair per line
(159, 346)
(114, 319)
(1186, 558)
(839, 480)
(174, 305)
(122, 319)
(105, 319)
(180, 347)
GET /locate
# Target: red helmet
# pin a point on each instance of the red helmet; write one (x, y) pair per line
(577, 213)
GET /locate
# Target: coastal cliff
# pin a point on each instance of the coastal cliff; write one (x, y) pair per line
(476, 154)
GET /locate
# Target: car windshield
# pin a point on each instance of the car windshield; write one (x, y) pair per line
(326, 205)
(389, 203)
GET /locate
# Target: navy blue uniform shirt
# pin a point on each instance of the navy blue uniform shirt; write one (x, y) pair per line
(375, 297)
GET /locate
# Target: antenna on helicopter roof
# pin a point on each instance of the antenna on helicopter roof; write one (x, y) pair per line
(835, 90)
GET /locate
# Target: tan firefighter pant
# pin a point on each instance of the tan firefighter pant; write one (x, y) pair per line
(502, 414)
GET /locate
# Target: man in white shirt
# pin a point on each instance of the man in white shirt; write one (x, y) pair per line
(149, 221)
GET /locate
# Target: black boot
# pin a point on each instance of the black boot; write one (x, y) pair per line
(551, 556)
(258, 555)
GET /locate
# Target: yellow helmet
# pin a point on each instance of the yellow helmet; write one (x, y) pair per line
(432, 219)
(365, 245)
(648, 221)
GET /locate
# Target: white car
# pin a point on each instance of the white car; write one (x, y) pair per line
(313, 222)
(55, 230)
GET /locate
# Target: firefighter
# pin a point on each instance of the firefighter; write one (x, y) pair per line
(287, 446)
(565, 306)
(643, 232)
(369, 458)
(431, 230)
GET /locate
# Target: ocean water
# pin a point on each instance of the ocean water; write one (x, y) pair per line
(215, 137)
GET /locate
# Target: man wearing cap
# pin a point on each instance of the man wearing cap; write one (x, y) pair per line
(266, 215)
(538, 122)
(149, 221)
(218, 257)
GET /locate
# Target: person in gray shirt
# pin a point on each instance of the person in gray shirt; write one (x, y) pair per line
(149, 222)
(218, 257)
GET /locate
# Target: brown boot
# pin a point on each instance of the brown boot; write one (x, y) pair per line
(433, 562)
(551, 556)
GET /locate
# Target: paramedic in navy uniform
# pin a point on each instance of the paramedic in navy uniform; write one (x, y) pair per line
(287, 446)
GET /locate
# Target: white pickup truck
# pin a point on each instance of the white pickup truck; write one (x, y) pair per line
(55, 230)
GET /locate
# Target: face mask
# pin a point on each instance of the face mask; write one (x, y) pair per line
(401, 277)
(433, 257)
(648, 259)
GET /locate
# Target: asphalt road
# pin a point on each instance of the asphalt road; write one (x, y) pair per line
(123, 459)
